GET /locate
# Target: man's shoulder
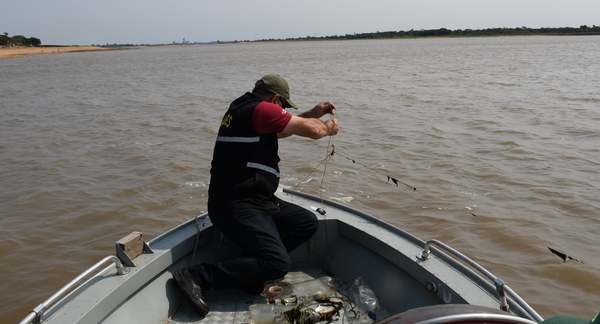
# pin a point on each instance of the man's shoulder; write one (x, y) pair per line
(245, 103)
(267, 106)
(270, 118)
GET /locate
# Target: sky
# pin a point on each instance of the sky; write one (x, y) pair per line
(162, 21)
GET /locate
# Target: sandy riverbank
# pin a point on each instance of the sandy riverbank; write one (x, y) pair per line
(21, 51)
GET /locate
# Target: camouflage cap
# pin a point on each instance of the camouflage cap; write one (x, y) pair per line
(279, 86)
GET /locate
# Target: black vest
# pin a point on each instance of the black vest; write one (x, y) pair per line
(245, 163)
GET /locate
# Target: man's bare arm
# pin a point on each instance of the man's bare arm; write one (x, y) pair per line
(319, 110)
(309, 127)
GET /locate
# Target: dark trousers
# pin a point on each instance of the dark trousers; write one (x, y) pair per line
(265, 233)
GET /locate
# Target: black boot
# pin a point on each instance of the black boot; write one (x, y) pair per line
(193, 290)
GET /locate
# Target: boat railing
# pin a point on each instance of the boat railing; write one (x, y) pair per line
(478, 318)
(501, 288)
(38, 312)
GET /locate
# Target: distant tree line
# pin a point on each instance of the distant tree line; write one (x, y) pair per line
(443, 32)
(115, 45)
(19, 40)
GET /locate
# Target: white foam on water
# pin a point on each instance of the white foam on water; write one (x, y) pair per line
(195, 184)
(307, 180)
(343, 199)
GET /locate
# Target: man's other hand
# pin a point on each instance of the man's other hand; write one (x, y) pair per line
(323, 108)
(332, 126)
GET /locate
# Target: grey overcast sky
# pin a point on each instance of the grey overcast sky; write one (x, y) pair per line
(155, 21)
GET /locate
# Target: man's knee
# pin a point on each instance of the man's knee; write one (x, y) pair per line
(278, 267)
(310, 224)
(314, 224)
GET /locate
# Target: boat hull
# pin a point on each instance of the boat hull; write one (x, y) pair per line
(347, 245)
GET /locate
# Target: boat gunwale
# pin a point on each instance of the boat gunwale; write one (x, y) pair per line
(453, 263)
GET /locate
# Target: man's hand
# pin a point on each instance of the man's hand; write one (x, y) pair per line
(324, 108)
(320, 110)
(332, 127)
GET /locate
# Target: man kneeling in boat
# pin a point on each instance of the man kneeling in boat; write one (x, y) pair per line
(241, 201)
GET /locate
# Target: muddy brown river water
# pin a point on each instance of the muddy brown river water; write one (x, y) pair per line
(501, 137)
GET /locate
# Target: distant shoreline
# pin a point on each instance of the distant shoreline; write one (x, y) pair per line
(330, 38)
(325, 39)
(13, 52)
(582, 30)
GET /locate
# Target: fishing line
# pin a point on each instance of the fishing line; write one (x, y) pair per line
(331, 152)
(328, 157)
(323, 212)
(324, 161)
(389, 178)
(315, 168)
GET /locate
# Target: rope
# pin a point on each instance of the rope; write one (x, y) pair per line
(390, 178)
(328, 156)
(308, 178)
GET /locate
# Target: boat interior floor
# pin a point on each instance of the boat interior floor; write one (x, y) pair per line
(233, 306)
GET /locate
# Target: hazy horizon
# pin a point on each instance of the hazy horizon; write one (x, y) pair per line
(152, 21)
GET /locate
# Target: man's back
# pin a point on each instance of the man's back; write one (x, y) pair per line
(245, 161)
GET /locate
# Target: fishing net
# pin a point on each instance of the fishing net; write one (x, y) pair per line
(315, 301)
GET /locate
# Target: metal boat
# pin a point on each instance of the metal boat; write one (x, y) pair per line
(415, 281)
